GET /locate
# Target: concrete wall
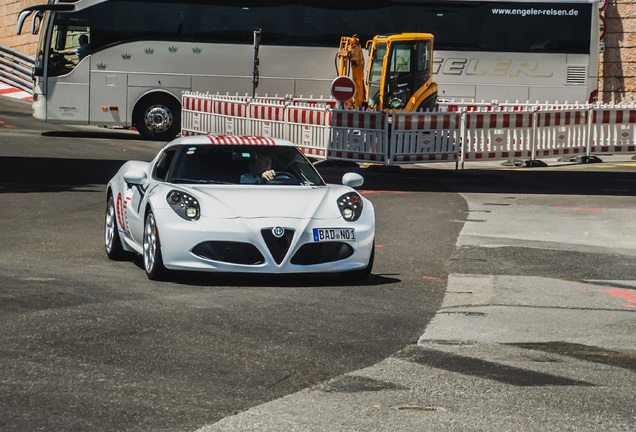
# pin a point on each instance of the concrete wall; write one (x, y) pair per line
(617, 69)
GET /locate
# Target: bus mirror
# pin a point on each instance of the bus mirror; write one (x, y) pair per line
(35, 25)
(21, 18)
(37, 18)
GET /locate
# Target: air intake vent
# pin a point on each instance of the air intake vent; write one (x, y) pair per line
(577, 75)
(278, 244)
(229, 252)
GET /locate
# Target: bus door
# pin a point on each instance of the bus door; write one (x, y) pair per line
(67, 73)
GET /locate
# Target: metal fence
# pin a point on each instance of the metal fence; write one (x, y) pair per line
(16, 69)
(460, 134)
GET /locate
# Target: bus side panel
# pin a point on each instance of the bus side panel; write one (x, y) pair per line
(67, 96)
(510, 76)
(108, 99)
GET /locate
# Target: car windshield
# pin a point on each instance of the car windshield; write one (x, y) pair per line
(247, 164)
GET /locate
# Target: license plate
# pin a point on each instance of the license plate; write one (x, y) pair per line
(331, 234)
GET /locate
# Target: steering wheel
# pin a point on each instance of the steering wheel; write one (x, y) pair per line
(59, 61)
(396, 103)
(283, 177)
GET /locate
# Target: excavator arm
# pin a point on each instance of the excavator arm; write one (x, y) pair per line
(351, 62)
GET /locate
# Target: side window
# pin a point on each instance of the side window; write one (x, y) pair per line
(69, 45)
(163, 165)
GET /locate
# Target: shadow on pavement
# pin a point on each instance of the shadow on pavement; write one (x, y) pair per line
(25, 174)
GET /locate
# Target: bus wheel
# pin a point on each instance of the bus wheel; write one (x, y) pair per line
(158, 117)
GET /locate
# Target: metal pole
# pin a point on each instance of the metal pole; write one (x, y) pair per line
(462, 137)
(534, 137)
(255, 76)
(590, 120)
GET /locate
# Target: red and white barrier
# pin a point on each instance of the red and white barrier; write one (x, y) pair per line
(425, 137)
(614, 131)
(304, 123)
(459, 133)
(359, 136)
(308, 127)
(497, 135)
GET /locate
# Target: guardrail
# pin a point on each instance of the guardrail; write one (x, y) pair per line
(16, 68)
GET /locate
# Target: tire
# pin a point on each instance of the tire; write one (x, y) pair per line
(112, 241)
(158, 117)
(153, 262)
(362, 274)
(428, 104)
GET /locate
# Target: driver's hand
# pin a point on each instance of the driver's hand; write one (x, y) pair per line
(268, 175)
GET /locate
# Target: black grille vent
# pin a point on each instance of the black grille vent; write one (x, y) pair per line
(278, 246)
(229, 252)
(319, 253)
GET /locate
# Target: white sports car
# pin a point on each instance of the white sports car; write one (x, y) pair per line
(238, 204)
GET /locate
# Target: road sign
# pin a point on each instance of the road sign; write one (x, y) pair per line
(343, 88)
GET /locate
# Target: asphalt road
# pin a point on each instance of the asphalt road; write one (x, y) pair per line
(89, 344)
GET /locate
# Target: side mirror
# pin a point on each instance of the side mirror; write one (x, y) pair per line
(37, 22)
(135, 177)
(353, 180)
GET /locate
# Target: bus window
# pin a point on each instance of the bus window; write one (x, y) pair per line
(69, 45)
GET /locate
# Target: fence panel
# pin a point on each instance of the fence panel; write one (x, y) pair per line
(196, 114)
(359, 136)
(268, 119)
(562, 132)
(614, 130)
(309, 128)
(425, 137)
(498, 135)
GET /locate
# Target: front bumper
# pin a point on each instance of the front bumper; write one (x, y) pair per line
(249, 246)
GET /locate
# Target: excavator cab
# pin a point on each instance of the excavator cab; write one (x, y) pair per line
(399, 74)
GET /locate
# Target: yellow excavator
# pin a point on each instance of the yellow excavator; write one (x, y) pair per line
(399, 74)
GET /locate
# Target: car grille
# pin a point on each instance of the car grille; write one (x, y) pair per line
(278, 247)
(229, 252)
(319, 253)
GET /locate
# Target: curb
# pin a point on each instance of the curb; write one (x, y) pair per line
(15, 93)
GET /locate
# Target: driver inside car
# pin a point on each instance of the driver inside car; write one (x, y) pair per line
(260, 170)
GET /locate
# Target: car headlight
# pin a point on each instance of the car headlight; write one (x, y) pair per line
(185, 205)
(350, 205)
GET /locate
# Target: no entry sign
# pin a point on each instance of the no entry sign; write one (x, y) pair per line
(343, 88)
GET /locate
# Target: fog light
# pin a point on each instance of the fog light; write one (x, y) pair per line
(348, 213)
(192, 212)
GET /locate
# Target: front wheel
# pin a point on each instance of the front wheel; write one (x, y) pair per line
(153, 262)
(158, 117)
(362, 274)
(112, 241)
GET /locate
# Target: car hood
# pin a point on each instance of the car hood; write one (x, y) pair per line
(269, 201)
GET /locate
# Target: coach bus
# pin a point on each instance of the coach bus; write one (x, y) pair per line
(126, 62)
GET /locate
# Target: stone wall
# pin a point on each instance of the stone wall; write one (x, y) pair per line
(9, 10)
(617, 65)
(618, 62)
